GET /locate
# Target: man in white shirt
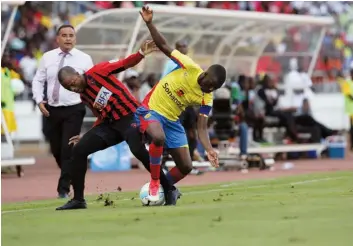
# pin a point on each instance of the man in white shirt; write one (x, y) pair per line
(64, 109)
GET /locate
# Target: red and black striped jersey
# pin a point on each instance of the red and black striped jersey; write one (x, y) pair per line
(105, 95)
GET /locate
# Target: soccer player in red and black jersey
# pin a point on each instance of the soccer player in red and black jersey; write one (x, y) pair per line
(114, 107)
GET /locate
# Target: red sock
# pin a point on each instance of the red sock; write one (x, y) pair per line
(174, 175)
(155, 160)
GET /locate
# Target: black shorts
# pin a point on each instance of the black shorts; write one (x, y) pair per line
(114, 132)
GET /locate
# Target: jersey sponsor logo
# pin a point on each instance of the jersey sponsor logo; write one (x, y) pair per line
(180, 92)
(172, 97)
(102, 98)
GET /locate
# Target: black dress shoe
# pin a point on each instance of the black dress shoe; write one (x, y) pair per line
(73, 204)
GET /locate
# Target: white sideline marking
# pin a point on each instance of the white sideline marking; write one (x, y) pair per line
(203, 191)
(316, 180)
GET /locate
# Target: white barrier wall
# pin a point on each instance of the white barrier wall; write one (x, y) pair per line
(327, 109)
(29, 122)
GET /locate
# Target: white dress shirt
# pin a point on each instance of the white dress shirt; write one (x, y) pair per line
(48, 71)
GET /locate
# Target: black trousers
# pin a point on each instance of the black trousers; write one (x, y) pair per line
(287, 120)
(101, 137)
(62, 124)
(308, 120)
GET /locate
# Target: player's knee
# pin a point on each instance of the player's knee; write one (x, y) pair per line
(136, 148)
(158, 139)
(186, 168)
(79, 151)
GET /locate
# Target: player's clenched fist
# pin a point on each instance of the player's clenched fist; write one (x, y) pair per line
(148, 47)
(146, 14)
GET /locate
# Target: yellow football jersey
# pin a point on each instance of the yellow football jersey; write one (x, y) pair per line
(179, 89)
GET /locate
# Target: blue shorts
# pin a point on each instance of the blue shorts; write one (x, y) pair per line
(175, 136)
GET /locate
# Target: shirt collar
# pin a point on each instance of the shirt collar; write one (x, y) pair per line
(72, 52)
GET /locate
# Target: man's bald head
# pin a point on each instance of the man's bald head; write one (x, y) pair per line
(182, 46)
(71, 80)
(65, 73)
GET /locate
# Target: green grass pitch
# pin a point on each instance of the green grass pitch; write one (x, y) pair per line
(308, 210)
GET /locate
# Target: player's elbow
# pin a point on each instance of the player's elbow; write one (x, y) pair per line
(165, 49)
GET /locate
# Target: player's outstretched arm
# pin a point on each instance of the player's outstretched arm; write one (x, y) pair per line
(147, 16)
(146, 48)
(117, 66)
(205, 140)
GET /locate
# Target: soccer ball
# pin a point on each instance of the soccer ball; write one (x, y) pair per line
(144, 196)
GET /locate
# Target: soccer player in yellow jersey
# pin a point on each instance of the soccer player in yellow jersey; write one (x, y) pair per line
(186, 85)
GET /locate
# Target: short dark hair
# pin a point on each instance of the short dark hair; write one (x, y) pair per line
(64, 26)
(65, 72)
(220, 73)
(181, 42)
(241, 78)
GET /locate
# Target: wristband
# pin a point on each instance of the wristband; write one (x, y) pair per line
(141, 52)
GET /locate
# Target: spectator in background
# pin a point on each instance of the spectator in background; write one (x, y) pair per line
(146, 86)
(254, 117)
(293, 78)
(237, 94)
(303, 117)
(63, 109)
(8, 91)
(269, 94)
(10, 87)
(9, 62)
(133, 83)
(239, 99)
(61, 19)
(28, 64)
(307, 83)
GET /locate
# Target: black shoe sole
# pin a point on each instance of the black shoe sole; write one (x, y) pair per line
(72, 208)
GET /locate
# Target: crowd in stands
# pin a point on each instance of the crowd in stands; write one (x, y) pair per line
(34, 29)
(257, 102)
